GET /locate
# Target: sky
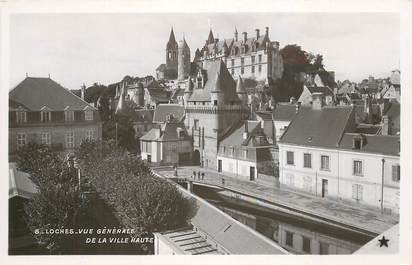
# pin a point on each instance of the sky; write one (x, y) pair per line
(87, 48)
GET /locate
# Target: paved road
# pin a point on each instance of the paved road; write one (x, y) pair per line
(342, 212)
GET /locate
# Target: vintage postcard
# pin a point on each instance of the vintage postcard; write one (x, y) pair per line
(142, 129)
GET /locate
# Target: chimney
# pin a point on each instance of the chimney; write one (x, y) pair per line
(246, 132)
(267, 31)
(82, 91)
(318, 101)
(257, 33)
(292, 100)
(157, 132)
(385, 125)
(244, 36)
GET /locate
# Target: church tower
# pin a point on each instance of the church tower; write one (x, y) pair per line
(171, 56)
(183, 67)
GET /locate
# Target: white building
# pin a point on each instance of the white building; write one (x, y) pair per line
(169, 144)
(320, 154)
(246, 152)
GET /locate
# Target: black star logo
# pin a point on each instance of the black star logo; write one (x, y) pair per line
(383, 242)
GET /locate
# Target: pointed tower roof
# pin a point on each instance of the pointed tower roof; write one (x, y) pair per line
(240, 88)
(217, 87)
(172, 40)
(183, 44)
(210, 39)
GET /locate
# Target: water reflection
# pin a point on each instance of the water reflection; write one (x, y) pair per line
(297, 236)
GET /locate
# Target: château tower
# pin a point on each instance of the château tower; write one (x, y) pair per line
(183, 61)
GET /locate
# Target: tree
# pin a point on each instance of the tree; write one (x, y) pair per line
(143, 201)
(293, 54)
(58, 203)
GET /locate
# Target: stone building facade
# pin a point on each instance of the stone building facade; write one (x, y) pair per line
(44, 112)
(213, 106)
(254, 57)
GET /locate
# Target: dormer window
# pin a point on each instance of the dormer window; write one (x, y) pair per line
(21, 116)
(88, 115)
(69, 115)
(358, 142)
(45, 116)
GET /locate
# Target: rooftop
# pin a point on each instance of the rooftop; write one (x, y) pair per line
(321, 128)
(35, 93)
(216, 73)
(163, 110)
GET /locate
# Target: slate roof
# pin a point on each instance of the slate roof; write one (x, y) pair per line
(168, 132)
(325, 90)
(320, 128)
(163, 110)
(190, 242)
(376, 144)
(35, 93)
(235, 139)
(264, 115)
(234, 236)
(284, 112)
(215, 70)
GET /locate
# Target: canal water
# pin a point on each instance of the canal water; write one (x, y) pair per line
(298, 236)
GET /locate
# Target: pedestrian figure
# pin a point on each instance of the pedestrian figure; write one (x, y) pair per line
(175, 169)
(198, 175)
(203, 175)
(194, 175)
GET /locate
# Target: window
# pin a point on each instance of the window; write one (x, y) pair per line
(181, 134)
(215, 102)
(21, 116)
(233, 71)
(90, 135)
(242, 70)
(290, 158)
(45, 116)
(196, 124)
(324, 162)
(242, 61)
(69, 139)
(69, 115)
(21, 139)
(323, 248)
(260, 58)
(253, 69)
(307, 160)
(357, 192)
(232, 151)
(260, 68)
(396, 173)
(233, 62)
(45, 138)
(88, 115)
(357, 168)
(289, 238)
(253, 59)
(306, 244)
